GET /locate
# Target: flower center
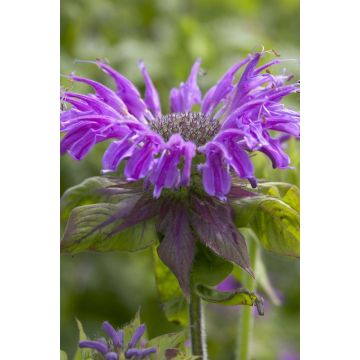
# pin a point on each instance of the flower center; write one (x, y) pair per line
(195, 127)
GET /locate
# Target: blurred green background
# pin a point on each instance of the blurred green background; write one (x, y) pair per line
(168, 35)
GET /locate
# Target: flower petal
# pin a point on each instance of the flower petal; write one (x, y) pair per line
(116, 152)
(126, 90)
(111, 356)
(215, 171)
(112, 333)
(218, 92)
(166, 172)
(99, 346)
(276, 153)
(104, 93)
(188, 94)
(152, 99)
(137, 335)
(142, 159)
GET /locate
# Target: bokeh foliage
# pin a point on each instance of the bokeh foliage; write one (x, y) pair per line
(168, 36)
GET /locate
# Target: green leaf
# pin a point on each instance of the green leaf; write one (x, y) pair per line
(176, 310)
(288, 193)
(275, 223)
(209, 268)
(63, 355)
(238, 297)
(170, 293)
(84, 231)
(165, 342)
(82, 354)
(130, 328)
(87, 192)
(277, 226)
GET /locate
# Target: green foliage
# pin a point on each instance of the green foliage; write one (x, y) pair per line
(209, 268)
(166, 342)
(288, 193)
(275, 219)
(84, 231)
(85, 193)
(230, 298)
(131, 327)
(169, 35)
(82, 354)
(170, 293)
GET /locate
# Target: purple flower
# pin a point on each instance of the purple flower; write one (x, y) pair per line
(180, 168)
(229, 284)
(235, 119)
(114, 347)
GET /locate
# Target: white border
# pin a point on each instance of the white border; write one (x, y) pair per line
(30, 179)
(29, 257)
(329, 180)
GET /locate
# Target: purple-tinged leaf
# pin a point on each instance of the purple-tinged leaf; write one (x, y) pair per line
(177, 249)
(213, 223)
(95, 227)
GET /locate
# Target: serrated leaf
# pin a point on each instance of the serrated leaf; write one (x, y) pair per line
(292, 198)
(90, 191)
(288, 193)
(230, 298)
(177, 248)
(173, 302)
(165, 342)
(212, 221)
(275, 223)
(277, 226)
(85, 230)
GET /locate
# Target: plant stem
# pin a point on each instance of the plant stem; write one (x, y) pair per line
(245, 323)
(197, 326)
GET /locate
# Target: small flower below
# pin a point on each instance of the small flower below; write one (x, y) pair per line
(113, 347)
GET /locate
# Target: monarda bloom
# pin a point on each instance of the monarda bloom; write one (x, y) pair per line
(114, 347)
(181, 171)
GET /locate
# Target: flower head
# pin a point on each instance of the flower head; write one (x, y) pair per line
(168, 150)
(189, 159)
(112, 348)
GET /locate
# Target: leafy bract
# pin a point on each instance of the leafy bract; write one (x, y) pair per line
(288, 193)
(94, 190)
(91, 227)
(171, 296)
(177, 248)
(166, 342)
(275, 222)
(231, 298)
(212, 221)
(131, 327)
(82, 354)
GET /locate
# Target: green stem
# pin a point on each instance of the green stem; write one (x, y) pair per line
(197, 326)
(245, 323)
